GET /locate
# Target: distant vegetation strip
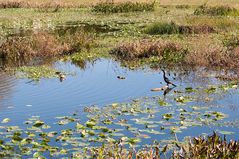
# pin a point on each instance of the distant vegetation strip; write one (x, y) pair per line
(169, 52)
(216, 10)
(108, 7)
(172, 28)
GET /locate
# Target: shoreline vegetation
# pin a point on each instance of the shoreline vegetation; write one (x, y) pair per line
(192, 35)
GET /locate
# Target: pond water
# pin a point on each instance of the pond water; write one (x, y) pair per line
(199, 104)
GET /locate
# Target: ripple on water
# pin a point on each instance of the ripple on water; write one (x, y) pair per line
(7, 84)
(96, 85)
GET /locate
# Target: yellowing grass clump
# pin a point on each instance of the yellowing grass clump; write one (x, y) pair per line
(42, 44)
(166, 51)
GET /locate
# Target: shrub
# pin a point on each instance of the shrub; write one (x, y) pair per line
(216, 10)
(107, 7)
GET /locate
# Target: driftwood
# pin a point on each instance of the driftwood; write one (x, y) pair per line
(159, 89)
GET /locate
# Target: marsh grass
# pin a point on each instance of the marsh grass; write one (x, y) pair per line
(110, 7)
(162, 28)
(172, 28)
(49, 7)
(222, 23)
(11, 4)
(231, 41)
(212, 146)
(166, 51)
(216, 10)
(182, 6)
(43, 45)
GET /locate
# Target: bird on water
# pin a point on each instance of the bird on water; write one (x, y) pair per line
(167, 80)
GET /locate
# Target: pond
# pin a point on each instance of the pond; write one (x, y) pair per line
(94, 106)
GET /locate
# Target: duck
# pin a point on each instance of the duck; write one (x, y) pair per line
(61, 76)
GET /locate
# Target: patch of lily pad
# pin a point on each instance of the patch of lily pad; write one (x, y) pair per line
(130, 124)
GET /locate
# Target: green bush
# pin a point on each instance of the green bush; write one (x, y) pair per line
(106, 7)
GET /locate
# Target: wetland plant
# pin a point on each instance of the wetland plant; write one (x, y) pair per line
(166, 51)
(215, 10)
(162, 28)
(111, 7)
(11, 4)
(43, 45)
(231, 42)
(172, 28)
(208, 147)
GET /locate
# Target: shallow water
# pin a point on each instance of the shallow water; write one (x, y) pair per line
(98, 85)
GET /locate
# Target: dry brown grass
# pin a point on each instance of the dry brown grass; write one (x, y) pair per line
(166, 51)
(232, 3)
(173, 53)
(78, 3)
(55, 3)
(42, 45)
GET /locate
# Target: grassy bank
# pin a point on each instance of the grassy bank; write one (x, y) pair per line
(203, 36)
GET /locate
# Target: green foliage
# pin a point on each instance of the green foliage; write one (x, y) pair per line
(106, 7)
(36, 72)
(162, 28)
(216, 10)
(172, 28)
(231, 41)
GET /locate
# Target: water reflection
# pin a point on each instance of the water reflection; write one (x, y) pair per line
(75, 26)
(7, 84)
(96, 83)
